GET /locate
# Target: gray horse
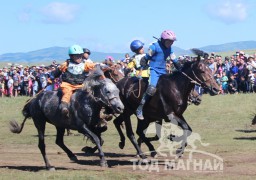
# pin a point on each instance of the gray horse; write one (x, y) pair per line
(85, 106)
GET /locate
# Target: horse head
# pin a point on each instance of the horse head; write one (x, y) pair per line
(104, 91)
(202, 74)
(114, 73)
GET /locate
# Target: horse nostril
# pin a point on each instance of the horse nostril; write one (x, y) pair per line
(120, 109)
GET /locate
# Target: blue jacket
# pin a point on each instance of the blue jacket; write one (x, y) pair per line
(158, 55)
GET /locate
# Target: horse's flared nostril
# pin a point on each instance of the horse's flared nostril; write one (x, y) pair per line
(120, 109)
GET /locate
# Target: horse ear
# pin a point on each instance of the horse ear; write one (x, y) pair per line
(198, 58)
(98, 72)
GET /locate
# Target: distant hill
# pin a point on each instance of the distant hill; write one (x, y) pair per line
(234, 46)
(60, 53)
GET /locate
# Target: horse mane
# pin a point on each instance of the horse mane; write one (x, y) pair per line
(187, 65)
(94, 79)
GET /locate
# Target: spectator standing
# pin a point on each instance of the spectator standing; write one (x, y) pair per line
(213, 66)
(224, 83)
(227, 66)
(127, 58)
(34, 86)
(251, 64)
(234, 69)
(2, 87)
(251, 79)
(16, 81)
(10, 86)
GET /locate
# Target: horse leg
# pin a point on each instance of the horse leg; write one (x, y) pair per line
(59, 141)
(118, 121)
(40, 125)
(142, 125)
(130, 135)
(181, 122)
(91, 150)
(84, 130)
(158, 133)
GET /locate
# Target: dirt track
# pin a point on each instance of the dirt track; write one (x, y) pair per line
(28, 158)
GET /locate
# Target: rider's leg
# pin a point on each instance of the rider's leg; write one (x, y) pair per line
(151, 90)
(67, 91)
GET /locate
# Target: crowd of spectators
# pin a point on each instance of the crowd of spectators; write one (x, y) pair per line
(234, 74)
(26, 81)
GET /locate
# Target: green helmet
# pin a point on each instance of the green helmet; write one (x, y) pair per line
(75, 49)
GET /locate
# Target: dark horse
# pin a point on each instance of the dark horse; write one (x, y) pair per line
(169, 102)
(85, 107)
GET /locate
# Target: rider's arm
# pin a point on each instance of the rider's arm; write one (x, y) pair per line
(144, 60)
(131, 64)
(62, 68)
(89, 66)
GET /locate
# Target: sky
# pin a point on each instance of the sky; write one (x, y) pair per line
(111, 25)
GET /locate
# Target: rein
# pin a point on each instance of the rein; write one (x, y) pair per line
(192, 80)
(197, 81)
(139, 90)
(131, 87)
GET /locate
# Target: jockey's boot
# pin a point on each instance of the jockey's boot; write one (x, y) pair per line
(64, 109)
(139, 111)
(151, 90)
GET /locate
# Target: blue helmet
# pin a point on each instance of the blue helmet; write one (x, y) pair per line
(136, 45)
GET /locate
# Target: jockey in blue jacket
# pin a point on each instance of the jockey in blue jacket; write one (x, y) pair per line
(159, 53)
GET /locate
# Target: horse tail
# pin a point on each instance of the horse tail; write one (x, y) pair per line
(15, 127)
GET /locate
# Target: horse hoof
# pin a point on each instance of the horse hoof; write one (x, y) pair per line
(179, 153)
(142, 156)
(103, 163)
(154, 154)
(171, 137)
(145, 161)
(121, 145)
(73, 158)
(51, 169)
(87, 150)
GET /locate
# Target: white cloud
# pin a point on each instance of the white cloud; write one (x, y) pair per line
(228, 11)
(25, 14)
(57, 12)
(24, 17)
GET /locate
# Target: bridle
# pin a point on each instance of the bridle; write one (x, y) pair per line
(112, 77)
(196, 80)
(104, 100)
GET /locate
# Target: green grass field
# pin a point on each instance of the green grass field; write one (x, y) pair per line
(222, 121)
